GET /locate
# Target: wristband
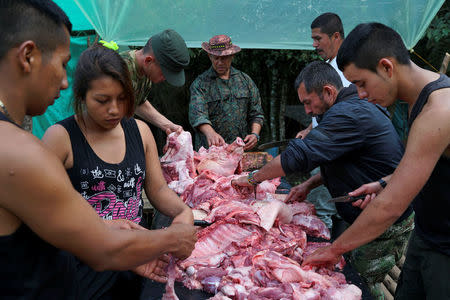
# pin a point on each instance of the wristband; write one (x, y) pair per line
(382, 183)
(251, 179)
(257, 136)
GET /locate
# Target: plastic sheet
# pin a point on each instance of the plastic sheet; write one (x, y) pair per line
(269, 24)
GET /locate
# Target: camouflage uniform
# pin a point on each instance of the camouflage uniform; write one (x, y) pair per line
(229, 106)
(375, 259)
(141, 84)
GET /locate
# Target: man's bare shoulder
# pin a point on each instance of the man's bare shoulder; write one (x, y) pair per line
(21, 154)
(431, 128)
(20, 146)
(437, 109)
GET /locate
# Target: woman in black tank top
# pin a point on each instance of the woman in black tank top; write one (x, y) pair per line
(109, 156)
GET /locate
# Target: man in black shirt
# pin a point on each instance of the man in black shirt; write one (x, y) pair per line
(354, 143)
(375, 59)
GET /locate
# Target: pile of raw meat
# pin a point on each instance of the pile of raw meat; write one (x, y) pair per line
(255, 245)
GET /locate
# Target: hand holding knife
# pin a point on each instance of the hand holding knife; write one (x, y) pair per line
(347, 198)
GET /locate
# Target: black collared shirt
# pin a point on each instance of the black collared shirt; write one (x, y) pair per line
(355, 143)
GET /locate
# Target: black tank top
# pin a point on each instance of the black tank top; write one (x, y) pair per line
(30, 268)
(432, 204)
(114, 190)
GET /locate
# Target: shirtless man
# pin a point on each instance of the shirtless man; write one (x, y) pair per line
(40, 212)
(374, 58)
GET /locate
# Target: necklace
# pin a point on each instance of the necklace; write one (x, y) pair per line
(2, 105)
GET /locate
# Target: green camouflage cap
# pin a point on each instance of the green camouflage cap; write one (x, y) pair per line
(172, 54)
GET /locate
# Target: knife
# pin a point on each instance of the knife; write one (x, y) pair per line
(269, 145)
(347, 198)
(201, 223)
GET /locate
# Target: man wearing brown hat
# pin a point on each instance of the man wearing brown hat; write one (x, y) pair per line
(225, 102)
(163, 57)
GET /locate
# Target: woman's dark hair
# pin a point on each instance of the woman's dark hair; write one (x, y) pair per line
(94, 63)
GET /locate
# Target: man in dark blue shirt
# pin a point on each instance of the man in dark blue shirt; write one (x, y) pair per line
(354, 143)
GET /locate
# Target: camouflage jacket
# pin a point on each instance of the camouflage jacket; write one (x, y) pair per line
(141, 84)
(229, 106)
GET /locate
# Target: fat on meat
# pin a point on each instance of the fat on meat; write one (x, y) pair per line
(303, 208)
(312, 225)
(274, 210)
(222, 160)
(255, 245)
(178, 161)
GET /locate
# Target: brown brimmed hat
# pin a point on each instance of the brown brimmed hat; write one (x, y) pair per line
(220, 45)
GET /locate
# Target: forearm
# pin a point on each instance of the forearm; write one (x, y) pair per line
(256, 128)
(387, 178)
(150, 114)
(125, 249)
(314, 181)
(271, 170)
(371, 223)
(167, 202)
(206, 129)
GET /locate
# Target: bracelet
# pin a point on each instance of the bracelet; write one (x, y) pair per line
(257, 136)
(382, 183)
(251, 179)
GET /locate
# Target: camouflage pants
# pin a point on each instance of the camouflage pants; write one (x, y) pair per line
(375, 259)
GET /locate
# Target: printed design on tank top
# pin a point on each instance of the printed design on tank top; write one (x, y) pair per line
(114, 194)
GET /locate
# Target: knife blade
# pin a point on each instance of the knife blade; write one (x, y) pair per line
(347, 198)
(269, 145)
(201, 223)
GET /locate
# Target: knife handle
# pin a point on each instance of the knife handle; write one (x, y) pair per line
(201, 223)
(354, 198)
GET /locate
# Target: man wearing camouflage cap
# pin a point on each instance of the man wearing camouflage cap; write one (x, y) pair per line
(225, 102)
(164, 57)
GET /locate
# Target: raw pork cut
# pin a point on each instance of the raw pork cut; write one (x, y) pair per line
(255, 245)
(312, 225)
(222, 160)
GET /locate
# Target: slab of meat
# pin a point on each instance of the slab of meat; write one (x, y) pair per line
(234, 209)
(170, 286)
(312, 225)
(255, 245)
(303, 208)
(222, 160)
(274, 210)
(178, 161)
(210, 246)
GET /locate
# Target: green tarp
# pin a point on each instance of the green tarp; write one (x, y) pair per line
(268, 24)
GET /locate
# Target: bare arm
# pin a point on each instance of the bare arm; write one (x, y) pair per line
(271, 170)
(428, 139)
(44, 199)
(57, 140)
(150, 114)
(303, 133)
(160, 195)
(301, 191)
